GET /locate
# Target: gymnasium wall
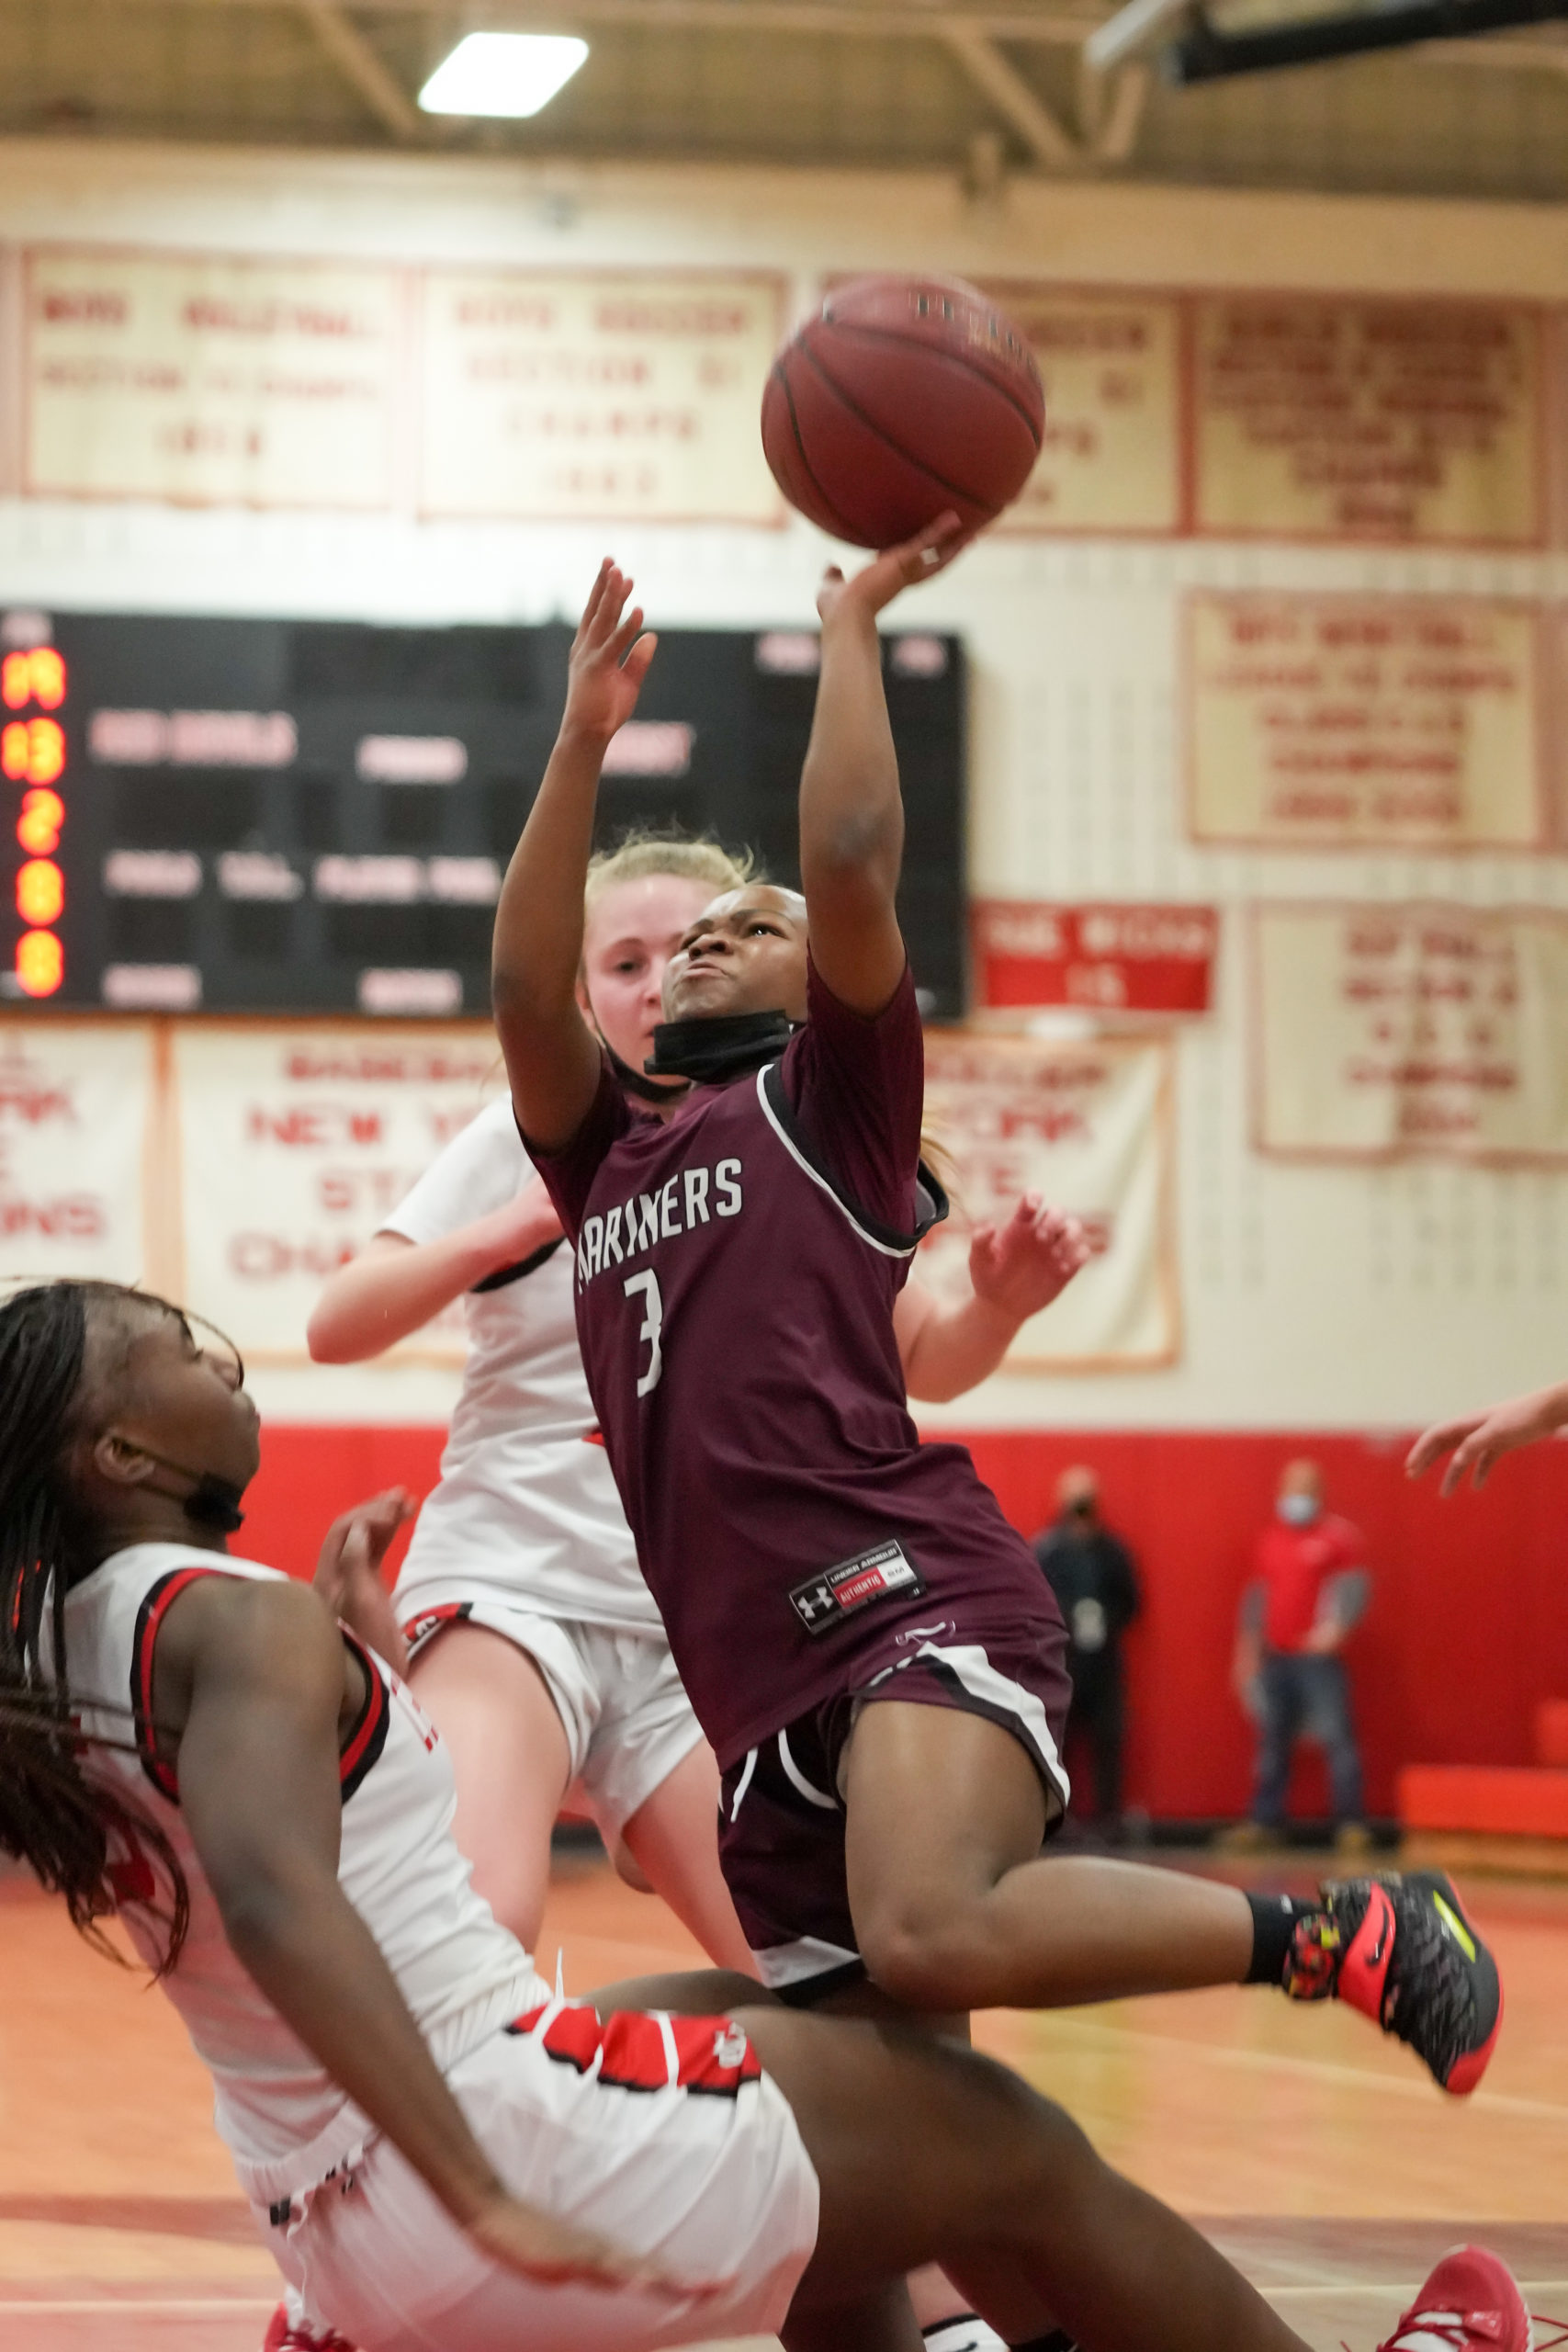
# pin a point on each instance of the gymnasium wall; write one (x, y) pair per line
(1355, 1300)
(1467, 1632)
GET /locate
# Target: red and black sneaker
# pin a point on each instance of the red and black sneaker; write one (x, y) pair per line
(1401, 1949)
(1470, 2303)
(283, 2337)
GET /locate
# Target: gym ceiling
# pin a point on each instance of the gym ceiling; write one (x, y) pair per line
(975, 90)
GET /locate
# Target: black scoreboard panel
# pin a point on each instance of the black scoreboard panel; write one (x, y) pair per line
(250, 815)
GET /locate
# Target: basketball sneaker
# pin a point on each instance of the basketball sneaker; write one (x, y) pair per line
(1400, 1949)
(1471, 2302)
(282, 2337)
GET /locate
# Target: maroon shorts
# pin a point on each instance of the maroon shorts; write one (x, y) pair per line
(781, 1823)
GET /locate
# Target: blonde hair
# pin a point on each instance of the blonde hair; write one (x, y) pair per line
(639, 855)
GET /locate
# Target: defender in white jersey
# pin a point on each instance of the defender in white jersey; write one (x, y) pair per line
(443, 2156)
(535, 1643)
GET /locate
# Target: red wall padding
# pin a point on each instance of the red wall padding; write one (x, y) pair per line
(1467, 1632)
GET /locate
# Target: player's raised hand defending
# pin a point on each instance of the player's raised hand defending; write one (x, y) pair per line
(1021, 1267)
(348, 1571)
(1475, 1440)
(557, 2253)
(878, 583)
(609, 660)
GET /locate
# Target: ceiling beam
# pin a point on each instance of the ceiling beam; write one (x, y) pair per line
(1124, 117)
(1011, 95)
(853, 19)
(358, 63)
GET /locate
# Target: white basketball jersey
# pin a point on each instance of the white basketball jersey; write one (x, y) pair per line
(284, 2122)
(527, 1509)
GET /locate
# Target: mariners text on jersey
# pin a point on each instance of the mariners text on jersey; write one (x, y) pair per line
(680, 1206)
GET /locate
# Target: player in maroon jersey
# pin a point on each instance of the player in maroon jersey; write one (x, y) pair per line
(867, 1642)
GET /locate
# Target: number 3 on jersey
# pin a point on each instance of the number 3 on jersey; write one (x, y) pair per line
(645, 1285)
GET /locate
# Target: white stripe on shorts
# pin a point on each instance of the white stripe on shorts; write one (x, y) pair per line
(799, 1782)
(796, 1963)
(971, 1667)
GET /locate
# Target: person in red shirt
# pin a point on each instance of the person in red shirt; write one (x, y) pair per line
(1310, 1589)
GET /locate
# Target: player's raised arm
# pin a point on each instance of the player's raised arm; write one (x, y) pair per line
(1475, 1440)
(552, 1060)
(852, 817)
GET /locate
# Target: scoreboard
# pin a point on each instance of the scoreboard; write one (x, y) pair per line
(287, 817)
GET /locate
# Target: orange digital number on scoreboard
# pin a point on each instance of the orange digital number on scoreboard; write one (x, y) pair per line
(35, 676)
(32, 752)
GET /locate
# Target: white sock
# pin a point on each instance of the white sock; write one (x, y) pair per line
(965, 2333)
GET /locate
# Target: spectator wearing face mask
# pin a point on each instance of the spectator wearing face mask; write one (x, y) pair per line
(1311, 1589)
(1091, 1573)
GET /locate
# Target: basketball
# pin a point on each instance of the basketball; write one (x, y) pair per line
(902, 397)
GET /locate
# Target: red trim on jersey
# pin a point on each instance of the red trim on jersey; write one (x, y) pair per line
(156, 1603)
(131, 1881)
(418, 1631)
(369, 1737)
(713, 2057)
(635, 2057)
(594, 1437)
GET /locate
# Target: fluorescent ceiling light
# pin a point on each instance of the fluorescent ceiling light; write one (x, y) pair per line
(503, 73)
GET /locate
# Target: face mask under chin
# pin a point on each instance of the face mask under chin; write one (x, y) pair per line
(710, 1048)
(211, 1503)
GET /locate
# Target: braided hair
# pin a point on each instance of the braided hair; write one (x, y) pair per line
(64, 1829)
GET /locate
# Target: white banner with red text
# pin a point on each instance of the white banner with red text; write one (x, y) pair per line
(79, 1138)
(294, 1144)
(1088, 1125)
(1385, 1032)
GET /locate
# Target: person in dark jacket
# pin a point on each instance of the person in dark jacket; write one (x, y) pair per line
(1096, 1584)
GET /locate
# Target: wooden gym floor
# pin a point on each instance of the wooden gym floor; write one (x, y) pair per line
(1316, 2154)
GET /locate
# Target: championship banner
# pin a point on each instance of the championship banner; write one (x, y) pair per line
(1328, 418)
(1362, 722)
(634, 395)
(78, 1131)
(1089, 1126)
(294, 1147)
(1384, 1031)
(210, 379)
(1112, 366)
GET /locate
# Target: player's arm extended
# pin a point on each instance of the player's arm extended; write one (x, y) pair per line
(552, 1058)
(1015, 1271)
(852, 817)
(251, 1677)
(1476, 1439)
(396, 1286)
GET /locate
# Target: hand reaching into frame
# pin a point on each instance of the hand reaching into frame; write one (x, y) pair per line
(609, 659)
(1021, 1267)
(348, 1571)
(1475, 1440)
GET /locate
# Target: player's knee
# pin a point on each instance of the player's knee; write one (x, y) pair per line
(927, 1956)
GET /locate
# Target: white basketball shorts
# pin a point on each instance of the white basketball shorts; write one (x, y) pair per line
(623, 1708)
(663, 2133)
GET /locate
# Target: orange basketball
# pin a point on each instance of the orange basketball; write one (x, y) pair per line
(903, 396)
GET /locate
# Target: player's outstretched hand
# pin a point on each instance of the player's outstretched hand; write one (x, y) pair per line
(922, 557)
(1021, 1267)
(557, 2253)
(348, 1571)
(1475, 1440)
(609, 659)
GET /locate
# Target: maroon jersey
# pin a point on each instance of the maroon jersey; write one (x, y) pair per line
(736, 1273)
